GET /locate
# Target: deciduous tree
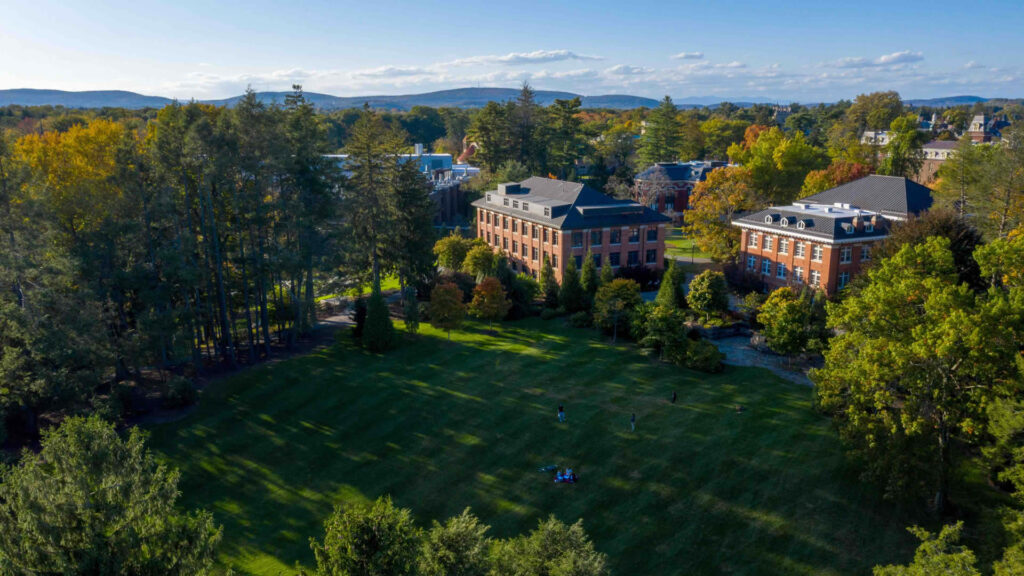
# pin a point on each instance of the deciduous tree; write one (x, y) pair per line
(375, 539)
(489, 302)
(446, 308)
(709, 293)
(713, 203)
(614, 302)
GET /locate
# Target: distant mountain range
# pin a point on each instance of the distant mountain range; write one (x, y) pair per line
(458, 98)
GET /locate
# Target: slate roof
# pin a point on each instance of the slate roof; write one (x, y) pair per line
(940, 145)
(819, 221)
(572, 206)
(888, 195)
(679, 172)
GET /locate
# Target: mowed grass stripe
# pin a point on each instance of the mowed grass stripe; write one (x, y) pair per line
(697, 489)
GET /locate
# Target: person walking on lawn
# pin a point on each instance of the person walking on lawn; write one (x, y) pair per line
(632, 423)
(561, 413)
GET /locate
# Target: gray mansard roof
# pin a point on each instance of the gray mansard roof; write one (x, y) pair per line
(691, 172)
(891, 196)
(565, 205)
(829, 223)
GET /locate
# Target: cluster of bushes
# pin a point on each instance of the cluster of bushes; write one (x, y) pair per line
(379, 538)
(614, 305)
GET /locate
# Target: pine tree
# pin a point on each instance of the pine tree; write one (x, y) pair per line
(668, 292)
(571, 295)
(607, 274)
(379, 332)
(662, 135)
(548, 285)
(589, 279)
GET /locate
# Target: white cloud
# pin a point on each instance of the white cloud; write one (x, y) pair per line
(733, 64)
(520, 58)
(894, 59)
(972, 65)
(688, 56)
(627, 70)
(391, 72)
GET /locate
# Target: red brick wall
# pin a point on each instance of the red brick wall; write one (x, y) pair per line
(830, 266)
(563, 249)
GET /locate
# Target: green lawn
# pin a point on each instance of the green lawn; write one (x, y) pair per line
(678, 245)
(697, 489)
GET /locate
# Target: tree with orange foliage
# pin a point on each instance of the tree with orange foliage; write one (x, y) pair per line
(489, 301)
(838, 172)
(712, 206)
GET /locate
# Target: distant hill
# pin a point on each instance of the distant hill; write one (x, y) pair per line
(946, 101)
(456, 98)
(88, 99)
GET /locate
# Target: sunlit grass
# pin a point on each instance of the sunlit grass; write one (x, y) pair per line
(697, 489)
(678, 245)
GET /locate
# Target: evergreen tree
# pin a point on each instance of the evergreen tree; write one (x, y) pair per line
(91, 503)
(566, 141)
(589, 279)
(548, 285)
(668, 293)
(412, 310)
(607, 275)
(570, 294)
(614, 304)
(662, 135)
(379, 332)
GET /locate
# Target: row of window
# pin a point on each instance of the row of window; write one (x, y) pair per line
(615, 258)
(782, 272)
(534, 231)
(614, 237)
(800, 248)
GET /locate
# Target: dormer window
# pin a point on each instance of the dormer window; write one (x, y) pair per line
(801, 225)
(488, 197)
(547, 211)
(768, 219)
(784, 222)
(869, 227)
(506, 201)
(526, 206)
(515, 203)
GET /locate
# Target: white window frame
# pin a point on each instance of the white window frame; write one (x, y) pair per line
(815, 278)
(800, 250)
(846, 255)
(817, 253)
(766, 243)
(798, 274)
(783, 245)
(752, 240)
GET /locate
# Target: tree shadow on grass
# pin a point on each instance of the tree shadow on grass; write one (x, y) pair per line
(697, 489)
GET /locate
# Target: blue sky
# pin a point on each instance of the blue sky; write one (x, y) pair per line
(787, 50)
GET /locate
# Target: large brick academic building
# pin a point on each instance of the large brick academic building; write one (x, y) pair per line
(543, 218)
(823, 240)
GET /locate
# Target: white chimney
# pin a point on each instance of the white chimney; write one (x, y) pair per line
(419, 149)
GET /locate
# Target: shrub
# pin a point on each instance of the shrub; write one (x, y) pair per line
(379, 332)
(614, 305)
(411, 310)
(709, 293)
(359, 316)
(446, 308)
(551, 313)
(704, 356)
(645, 277)
(581, 319)
(522, 290)
(179, 392)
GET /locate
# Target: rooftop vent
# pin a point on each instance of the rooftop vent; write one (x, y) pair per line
(509, 188)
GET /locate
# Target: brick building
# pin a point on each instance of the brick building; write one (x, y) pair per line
(540, 217)
(666, 186)
(935, 153)
(823, 240)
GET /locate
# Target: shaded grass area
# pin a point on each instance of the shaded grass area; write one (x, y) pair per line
(678, 245)
(697, 489)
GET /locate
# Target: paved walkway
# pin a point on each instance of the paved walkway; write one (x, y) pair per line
(739, 352)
